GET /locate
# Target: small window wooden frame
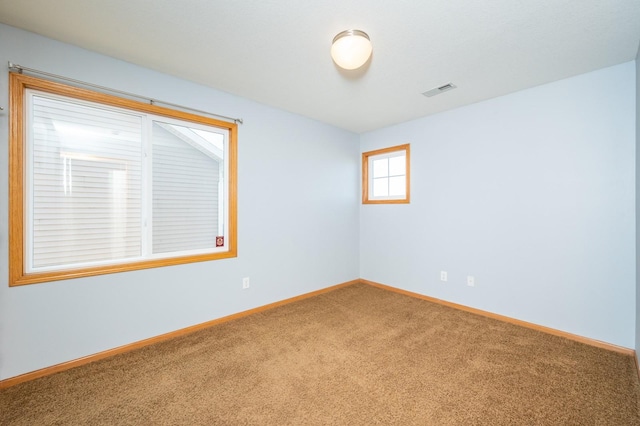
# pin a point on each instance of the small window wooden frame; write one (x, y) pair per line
(367, 197)
(18, 84)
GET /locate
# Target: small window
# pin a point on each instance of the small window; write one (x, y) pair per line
(103, 184)
(385, 175)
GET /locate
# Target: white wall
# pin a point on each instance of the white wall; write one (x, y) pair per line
(532, 193)
(298, 224)
(637, 323)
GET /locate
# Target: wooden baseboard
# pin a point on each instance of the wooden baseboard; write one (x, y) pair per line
(135, 345)
(574, 337)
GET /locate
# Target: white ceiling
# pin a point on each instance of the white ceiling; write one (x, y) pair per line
(277, 51)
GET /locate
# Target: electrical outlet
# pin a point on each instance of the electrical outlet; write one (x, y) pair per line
(245, 282)
(471, 281)
(443, 275)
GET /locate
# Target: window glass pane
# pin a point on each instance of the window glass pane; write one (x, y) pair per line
(380, 167)
(187, 200)
(381, 187)
(215, 139)
(397, 186)
(86, 184)
(397, 165)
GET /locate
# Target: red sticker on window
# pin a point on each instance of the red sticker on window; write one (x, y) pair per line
(219, 241)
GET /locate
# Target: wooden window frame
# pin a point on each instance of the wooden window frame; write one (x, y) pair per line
(366, 199)
(18, 84)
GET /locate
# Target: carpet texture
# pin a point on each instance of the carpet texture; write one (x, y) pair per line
(358, 355)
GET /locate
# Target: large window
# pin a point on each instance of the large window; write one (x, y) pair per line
(102, 184)
(385, 175)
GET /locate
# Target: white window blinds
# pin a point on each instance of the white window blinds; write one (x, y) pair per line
(106, 185)
(186, 180)
(84, 198)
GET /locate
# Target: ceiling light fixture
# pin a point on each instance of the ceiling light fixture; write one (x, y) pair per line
(351, 49)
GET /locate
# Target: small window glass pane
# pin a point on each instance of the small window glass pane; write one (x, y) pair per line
(381, 168)
(397, 186)
(397, 166)
(381, 187)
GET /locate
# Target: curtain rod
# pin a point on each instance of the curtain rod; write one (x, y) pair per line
(151, 101)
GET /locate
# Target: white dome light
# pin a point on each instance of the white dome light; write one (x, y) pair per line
(351, 49)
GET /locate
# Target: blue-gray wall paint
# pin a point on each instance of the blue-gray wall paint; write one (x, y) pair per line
(532, 193)
(298, 224)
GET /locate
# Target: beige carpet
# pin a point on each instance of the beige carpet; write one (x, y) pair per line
(358, 355)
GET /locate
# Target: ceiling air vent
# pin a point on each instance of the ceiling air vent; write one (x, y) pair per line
(440, 89)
